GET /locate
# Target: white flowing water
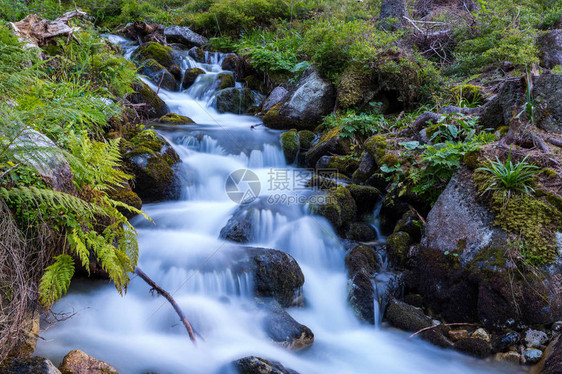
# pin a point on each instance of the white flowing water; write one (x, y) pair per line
(182, 252)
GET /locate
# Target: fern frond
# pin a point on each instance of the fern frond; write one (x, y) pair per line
(54, 200)
(55, 280)
(79, 247)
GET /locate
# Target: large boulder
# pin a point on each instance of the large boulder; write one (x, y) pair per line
(234, 100)
(339, 208)
(150, 105)
(548, 94)
(190, 76)
(163, 55)
(274, 98)
(276, 274)
(551, 48)
(459, 221)
(183, 35)
(152, 161)
(305, 106)
(464, 267)
(78, 362)
(38, 151)
(283, 329)
(239, 228)
(361, 263)
(35, 365)
(257, 365)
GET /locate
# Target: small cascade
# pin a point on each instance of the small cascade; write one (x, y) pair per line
(183, 253)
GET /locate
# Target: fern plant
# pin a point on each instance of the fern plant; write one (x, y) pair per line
(79, 218)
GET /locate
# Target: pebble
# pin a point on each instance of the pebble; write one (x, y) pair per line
(531, 356)
(557, 326)
(535, 338)
(481, 334)
(457, 335)
(511, 356)
(503, 342)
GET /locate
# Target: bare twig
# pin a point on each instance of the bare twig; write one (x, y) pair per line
(168, 297)
(444, 324)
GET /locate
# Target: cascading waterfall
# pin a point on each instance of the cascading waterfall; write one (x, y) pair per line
(182, 252)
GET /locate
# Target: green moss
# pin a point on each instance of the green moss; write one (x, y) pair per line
(343, 164)
(398, 246)
(468, 93)
(339, 209)
(160, 170)
(290, 145)
(150, 97)
(148, 139)
(431, 130)
(190, 77)
(253, 83)
(226, 81)
(502, 130)
(535, 220)
(549, 173)
(472, 159)
(376, 146)
(174, 118)
(389, 160)
(161, 54)
(352, 84)
(306, 137)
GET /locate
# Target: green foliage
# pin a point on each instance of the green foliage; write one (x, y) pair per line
(453, 127)
(508, 177)
(501, 31)
(356, 126)
(56, 279)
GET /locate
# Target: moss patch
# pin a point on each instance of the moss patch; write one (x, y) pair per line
(535, 220)
(398, 246)
(226, 81)
(290, 145)
(148, 139)
(174, 118)
(162, 54)
(306, 137)
(190, 77)
(351, 87)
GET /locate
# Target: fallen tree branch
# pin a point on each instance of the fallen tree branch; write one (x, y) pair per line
(444, 324)
(419, 123)
(168, 297)
(553, 141)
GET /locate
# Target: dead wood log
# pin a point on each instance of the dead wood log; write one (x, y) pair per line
(419, 123)
(170, 299)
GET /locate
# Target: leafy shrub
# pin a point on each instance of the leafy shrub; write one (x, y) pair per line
(356, 126)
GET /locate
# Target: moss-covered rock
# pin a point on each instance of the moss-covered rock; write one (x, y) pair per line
(162, 54)
(361, 232)
(398, 246)
(366, 197)
(340, 208)
(158, 74)
(411, 224)
(234, 100)
(34, 365)
(366, 168)
(190, 77)
(225, 80)
(290, 145)
(353, 87)
(331, 143)
(361, 263)
(345, 165)
(306, 138)
(196, 53)
(175, 70)
(173, 118)
(149, 158)
(406, 317)
(152, 106)
(253, 83)
(376, 146)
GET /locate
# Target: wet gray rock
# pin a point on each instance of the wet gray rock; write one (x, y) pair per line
(158, 75)
(550, 45)
(327, 146)
(406, 317)
(35, 365)
(366, 168)
(239, 227)
(38, 151)
(304, 108)
(535, 338)
(459, 220)
(274, 98)
(504, 341)
(283, 329)
(234, 100)
(531, 356)
(197, 54)
(276, 274)
(183, 35)
(257, 365)
(151, 105)
(553, 358)
(361, 262)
